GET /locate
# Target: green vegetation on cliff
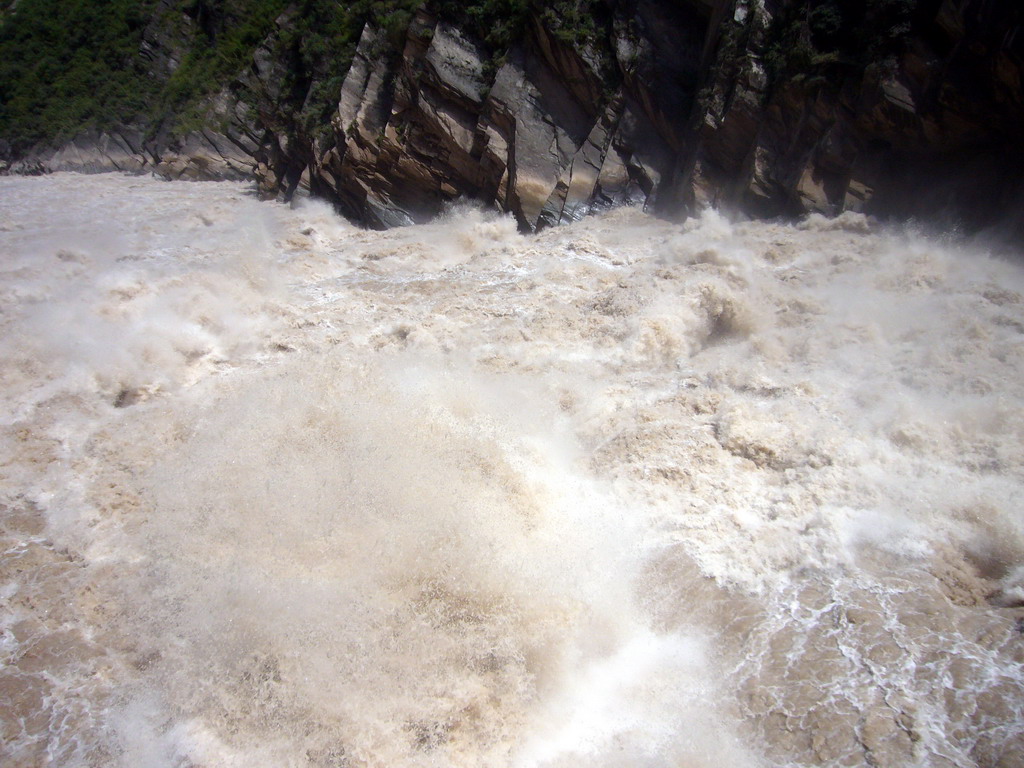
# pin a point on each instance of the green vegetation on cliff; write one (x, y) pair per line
(817, 41)
(71, 66)
(219, 37)
(68, 66)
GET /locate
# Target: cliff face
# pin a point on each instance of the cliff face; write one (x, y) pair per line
(892, 107)
(930, 126)
(544, 135)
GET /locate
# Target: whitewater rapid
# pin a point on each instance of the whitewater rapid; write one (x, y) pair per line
(278, 491)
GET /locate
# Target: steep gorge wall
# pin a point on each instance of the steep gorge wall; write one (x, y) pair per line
(543, 135)
(929, 127)
(761, 105)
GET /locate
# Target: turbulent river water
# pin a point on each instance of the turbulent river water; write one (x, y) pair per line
(278, 491)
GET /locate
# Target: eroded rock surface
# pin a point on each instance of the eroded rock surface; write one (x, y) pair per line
(767, 107)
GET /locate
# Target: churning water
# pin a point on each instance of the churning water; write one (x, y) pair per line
(277, 491)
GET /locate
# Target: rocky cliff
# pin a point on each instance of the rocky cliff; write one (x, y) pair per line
(893, 107)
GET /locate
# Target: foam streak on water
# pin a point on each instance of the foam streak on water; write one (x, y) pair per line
(278, 491)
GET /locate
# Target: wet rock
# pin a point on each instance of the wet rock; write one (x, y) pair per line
(667, 105)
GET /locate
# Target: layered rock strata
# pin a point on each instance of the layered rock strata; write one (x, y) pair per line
(672, 106)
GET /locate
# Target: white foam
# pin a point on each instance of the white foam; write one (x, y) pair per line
(625, 492)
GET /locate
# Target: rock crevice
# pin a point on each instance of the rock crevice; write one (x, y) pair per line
(758, 105)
